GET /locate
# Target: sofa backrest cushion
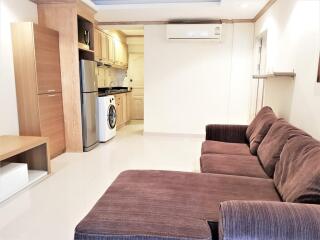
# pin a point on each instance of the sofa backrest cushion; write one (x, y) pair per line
(271, 147)
(297, 174)
(259, 128)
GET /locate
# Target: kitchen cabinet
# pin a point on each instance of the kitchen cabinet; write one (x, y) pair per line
(117, 52)
(121, 54)
(123, 108)
(97, 45)
(110, 50)
(104, 47)
(124, 55)
(119, 110)
(129, 100)
(38, 84)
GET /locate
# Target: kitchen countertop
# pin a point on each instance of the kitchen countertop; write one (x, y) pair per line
(113, 92)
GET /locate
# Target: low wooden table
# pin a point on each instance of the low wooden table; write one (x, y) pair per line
(33, 151)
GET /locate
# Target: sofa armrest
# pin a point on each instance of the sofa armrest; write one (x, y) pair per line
(245, 220)
(227, 133)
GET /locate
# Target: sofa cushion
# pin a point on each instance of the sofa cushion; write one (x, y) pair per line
(225, 148)
(167, 205)
(238, 165)
(297, 174)
(227, 133)
(259, 128)
(258, 220)
(271, 147)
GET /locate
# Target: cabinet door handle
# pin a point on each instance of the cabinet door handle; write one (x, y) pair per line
(52, 95)
(52, 90)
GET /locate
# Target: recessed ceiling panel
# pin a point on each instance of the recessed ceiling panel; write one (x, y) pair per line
(117, 2)
(159, 10)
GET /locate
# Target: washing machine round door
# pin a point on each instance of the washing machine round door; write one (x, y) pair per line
(112, 117)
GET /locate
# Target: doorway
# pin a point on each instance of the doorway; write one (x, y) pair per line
(136, 79)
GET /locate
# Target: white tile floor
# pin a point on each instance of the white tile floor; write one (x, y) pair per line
(51, 209)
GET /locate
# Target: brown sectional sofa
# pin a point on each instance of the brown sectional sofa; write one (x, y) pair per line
(232, 149)
(253, 183)
(164, 204)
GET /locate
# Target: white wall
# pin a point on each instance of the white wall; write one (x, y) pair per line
(135, 44)
(293, 32)
(10, 11)
(190, 84)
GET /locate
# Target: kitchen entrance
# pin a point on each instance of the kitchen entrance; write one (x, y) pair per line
(126, 80)
(136, 79)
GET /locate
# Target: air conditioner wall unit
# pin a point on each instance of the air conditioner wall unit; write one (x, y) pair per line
(194, 32)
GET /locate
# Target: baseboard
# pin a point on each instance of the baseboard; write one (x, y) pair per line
(181, 135)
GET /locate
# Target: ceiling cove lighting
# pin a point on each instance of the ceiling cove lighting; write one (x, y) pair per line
(117, 2)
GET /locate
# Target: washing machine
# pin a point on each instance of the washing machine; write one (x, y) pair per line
(107, 118)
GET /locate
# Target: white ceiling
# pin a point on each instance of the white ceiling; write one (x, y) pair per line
(228, 9)
(128, 30)
(116, 2)
(133, 32)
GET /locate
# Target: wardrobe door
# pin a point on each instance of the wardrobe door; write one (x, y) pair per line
(52, 122)
(47, 60)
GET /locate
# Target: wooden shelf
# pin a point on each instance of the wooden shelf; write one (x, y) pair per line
(276, 75)
(83, 47)
(13, 145)
(32, 151)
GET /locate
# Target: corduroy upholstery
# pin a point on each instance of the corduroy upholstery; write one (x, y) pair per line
(225, 148)
(297, 174)
(167, 205)
(271, 147)
(227, 133)
(238, 165)
(259, 128)
(241, 220)
(164, 205)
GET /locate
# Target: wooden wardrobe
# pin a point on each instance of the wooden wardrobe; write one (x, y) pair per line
(38, 84)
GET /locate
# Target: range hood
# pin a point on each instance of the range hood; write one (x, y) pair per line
(101, 64)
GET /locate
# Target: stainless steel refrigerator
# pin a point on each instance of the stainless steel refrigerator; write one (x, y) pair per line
(89, 104)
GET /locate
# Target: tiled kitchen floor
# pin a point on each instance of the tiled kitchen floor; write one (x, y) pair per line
(51, 209)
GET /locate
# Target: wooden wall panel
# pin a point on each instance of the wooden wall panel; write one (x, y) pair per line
(63, 18)
(52, 123)
(47, 60)
(85, 11)
(25, 73)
